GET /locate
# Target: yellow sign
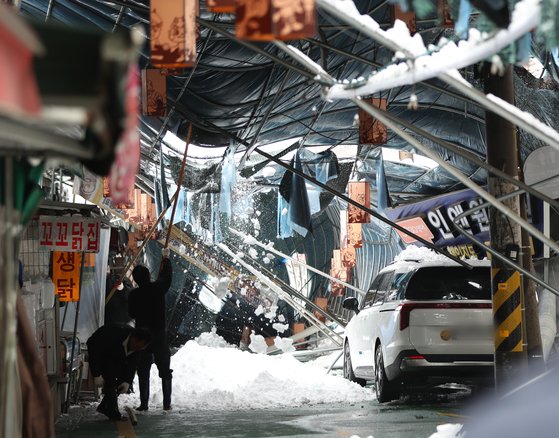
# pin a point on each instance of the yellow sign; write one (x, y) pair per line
(66, 274)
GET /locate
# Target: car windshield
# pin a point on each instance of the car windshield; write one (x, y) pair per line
(450, 283)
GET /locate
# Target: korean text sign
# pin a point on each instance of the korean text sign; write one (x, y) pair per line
(61, 233)
(66, 268)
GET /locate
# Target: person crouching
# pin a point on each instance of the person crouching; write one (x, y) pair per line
(113, 352)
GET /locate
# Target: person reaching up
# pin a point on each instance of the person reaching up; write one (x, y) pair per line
(146, 304)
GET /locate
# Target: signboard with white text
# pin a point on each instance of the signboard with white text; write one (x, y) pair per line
(433, 220)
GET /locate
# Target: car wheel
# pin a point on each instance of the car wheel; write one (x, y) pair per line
(348, 368)
(384, 389)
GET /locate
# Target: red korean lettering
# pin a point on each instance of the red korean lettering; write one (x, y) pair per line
(77, 233)
(62, 239)
(93, 236)
(66, 261)
(46, 234)
(65, 288)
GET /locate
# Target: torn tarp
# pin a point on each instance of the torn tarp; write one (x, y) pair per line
(293, 189)
(301, 198)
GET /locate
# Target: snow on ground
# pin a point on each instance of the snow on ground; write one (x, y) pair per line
(448, 431)
(212, 377)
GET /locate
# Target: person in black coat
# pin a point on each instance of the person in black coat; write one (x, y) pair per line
(113, 352)
(146, 304)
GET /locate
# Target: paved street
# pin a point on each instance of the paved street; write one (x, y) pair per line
(417, 418)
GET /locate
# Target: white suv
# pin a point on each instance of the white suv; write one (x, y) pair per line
(421, 322)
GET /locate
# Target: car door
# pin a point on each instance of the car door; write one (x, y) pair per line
(363, 329)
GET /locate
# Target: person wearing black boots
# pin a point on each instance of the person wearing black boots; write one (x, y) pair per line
(113, 352)
(146, 304)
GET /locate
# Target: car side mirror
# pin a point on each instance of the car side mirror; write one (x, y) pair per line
(351, 303)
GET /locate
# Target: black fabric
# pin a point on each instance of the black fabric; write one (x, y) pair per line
(164, 196)
(107, 358)
(199, 178)
(299, 208)
(157, 352)
(167, 387)
(146, 304)
(116, 310)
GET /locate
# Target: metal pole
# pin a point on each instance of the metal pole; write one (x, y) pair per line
(510, 352)
(67, 402)
(10, 418)
(144, 243)
(179, 183)
(310, 268)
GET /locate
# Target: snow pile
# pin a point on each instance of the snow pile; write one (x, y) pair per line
(230, 379)
(448, 431)
(413, 252)
(212, 339)
(327, 360)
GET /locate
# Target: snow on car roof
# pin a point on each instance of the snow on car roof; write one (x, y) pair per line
(414, 257)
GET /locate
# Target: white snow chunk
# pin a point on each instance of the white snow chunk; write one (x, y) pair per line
(258, 344)
(268, 172)
(280, 328)
(448, 431)
(284, 344)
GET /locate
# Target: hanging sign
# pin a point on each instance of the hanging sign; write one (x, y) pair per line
(64, 233)
(66, 268)
(154, 93)
(361, 193)
(221, 6)
(173, 33)
(371, 130)
(406, 17)
(355, 235)
(349, 257)
(266, 20)
(443, 9)
(433, 220)
(418, 227)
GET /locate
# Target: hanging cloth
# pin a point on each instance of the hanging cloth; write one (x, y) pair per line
(284, 230)
(294, 190)
(228, 180)
(382, 188)
(165, 203)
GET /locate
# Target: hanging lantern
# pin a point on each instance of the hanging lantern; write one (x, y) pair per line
(342, 274)
(221, 6)
(343, 229)
(355, 235)
(323, 304)
(406, 17)
(336, 259)
(372, 131)
(266, 20)
(349, 257)
(154, 93)
(444, 14)
(361, 193)
(173, 33)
